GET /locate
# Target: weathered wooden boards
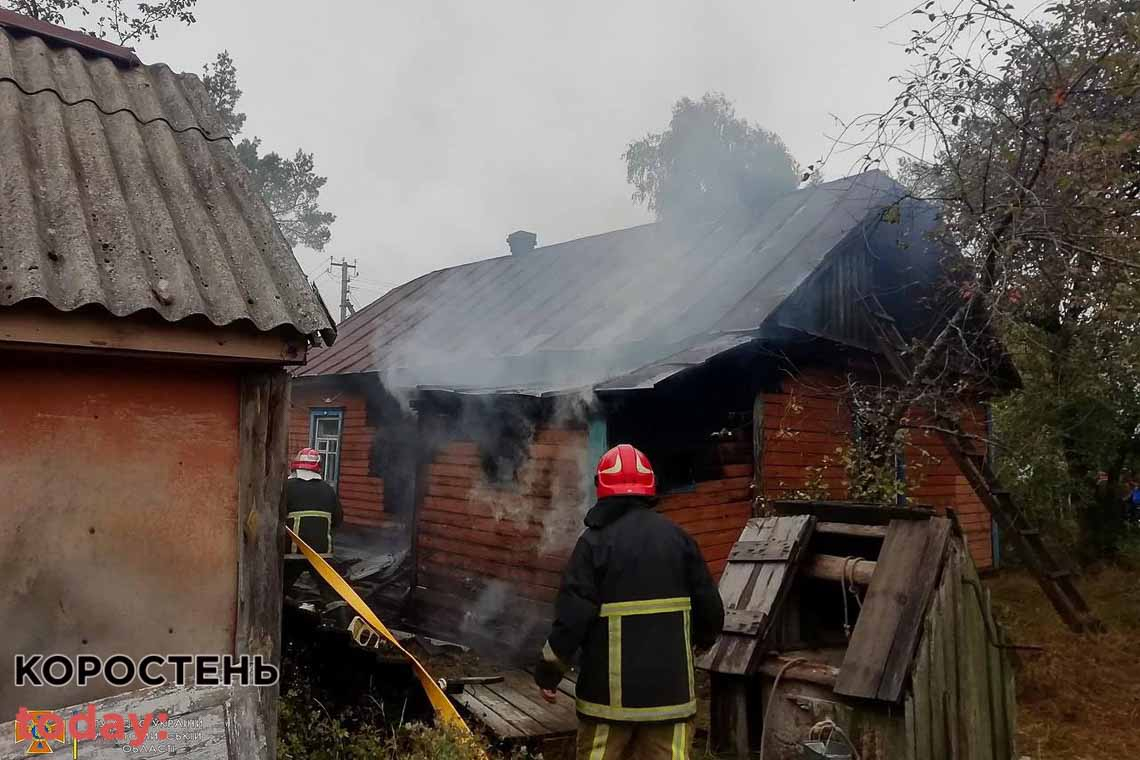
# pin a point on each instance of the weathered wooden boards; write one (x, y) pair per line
(891, 620)
(961, 703)
(261, 471)
(513, 708)
(754, 583)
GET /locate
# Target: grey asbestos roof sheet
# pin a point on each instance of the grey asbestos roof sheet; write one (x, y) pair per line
(119, 188)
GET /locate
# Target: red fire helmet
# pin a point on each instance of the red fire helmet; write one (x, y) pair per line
(307, 459)
(624, 470)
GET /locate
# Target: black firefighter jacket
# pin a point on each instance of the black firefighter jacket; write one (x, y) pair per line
(635, 598)
(313, 512)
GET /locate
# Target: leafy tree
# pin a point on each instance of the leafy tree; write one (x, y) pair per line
(114, 20)
(220, 79)
(708, 161)
(1024, 130)
(291, 187)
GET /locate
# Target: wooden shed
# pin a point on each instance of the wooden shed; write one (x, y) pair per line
(148, 308)
(475, 400)
(858, 627)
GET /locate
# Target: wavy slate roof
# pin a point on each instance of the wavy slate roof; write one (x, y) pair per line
(642, 303)
(118, 187)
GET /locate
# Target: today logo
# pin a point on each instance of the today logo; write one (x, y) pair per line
(40, 729)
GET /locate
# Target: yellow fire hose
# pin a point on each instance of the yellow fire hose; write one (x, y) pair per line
(439, 701)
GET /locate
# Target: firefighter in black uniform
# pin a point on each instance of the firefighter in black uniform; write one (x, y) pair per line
(635, 598)
(313, 512)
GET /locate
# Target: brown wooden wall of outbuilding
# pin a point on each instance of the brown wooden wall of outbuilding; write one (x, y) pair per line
(119, 514)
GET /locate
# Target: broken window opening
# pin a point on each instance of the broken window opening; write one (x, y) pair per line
(687, 450)
(503, 434)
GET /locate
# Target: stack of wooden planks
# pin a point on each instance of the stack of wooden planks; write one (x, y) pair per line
(513, 710)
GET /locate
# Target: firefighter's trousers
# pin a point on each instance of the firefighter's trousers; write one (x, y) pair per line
(633, 741)
(330, 599)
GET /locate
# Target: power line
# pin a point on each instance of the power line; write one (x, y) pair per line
(373, 288)
(378, 283)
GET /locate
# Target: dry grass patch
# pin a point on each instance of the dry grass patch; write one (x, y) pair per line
(1080, 698)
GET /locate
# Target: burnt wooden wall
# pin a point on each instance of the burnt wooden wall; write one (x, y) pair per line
(489, 555)
(716, 509)
(361, 494)
(807, 420)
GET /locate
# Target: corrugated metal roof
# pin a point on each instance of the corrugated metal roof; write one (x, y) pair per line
(596, 309)
(118, 187)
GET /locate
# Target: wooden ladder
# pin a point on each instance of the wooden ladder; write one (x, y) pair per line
(1055, 579)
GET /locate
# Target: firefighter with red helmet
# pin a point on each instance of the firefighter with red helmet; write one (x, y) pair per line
(313, 512)
(636, 597)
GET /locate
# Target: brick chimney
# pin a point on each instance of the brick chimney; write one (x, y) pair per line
(522, 241)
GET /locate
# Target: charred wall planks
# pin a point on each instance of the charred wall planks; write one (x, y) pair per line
(520, 531)
(490, 552)
(490, 555)
(715, 510)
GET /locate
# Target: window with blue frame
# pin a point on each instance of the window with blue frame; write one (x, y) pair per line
(325, 429)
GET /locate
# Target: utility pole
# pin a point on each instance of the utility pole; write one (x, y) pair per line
(345, 305)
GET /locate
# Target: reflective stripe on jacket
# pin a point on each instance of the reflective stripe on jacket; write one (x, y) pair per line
(635, 597)
(314, 526)
(313, 513)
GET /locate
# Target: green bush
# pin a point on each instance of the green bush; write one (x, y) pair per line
(307, 731)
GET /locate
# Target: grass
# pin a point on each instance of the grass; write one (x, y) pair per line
(1080, 698)
(309, 731)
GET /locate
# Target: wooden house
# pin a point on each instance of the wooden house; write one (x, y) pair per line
(858, 631)
(477, 399)
(148, 308)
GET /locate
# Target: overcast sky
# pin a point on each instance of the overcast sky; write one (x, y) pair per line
(443, 126)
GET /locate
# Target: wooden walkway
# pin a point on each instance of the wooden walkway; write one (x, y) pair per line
(513, 708)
